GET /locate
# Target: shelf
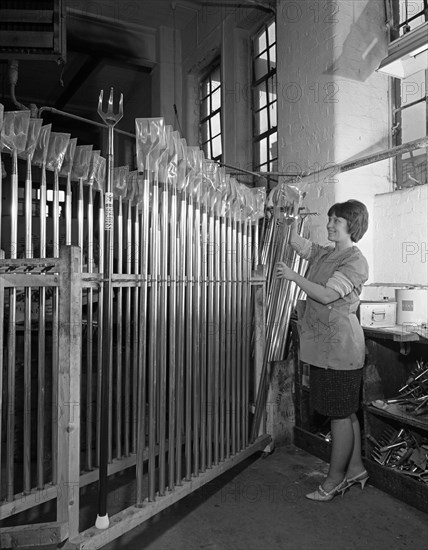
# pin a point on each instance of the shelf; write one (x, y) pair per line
(396, 412)
(398, 485)
(397, 334)
(312, 443)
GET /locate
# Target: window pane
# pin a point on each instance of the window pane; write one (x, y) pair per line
(260, 43)
(413, 88)
(263, 151)
(272, 114)
(260, 96)
(261, 122)
(413, 122)
(271, 33)
(414, 169)
(413, 7)
(273, 149)
(204, 108)
(216, 147)
(215, 125)
(272, 58)
(216, 100)
(260, 66)
(215, 79)
(205, 132)
(271, 83)
(205, 88)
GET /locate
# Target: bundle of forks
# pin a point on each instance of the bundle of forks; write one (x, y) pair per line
(414, 394)
(401, 450)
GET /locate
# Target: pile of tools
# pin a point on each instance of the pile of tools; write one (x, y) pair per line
(403, 450)
(413, 396)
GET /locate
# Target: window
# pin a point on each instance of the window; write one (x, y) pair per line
(210, 114)
(407, 16)
(264, 100)
(410, 107)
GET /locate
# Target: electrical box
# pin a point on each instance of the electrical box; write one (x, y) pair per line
(32, 33)
(378, 314)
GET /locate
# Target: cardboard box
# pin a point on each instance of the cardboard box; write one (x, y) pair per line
(378, 314)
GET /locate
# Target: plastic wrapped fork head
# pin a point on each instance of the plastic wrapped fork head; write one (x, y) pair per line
(41, 150)
(150, 139)
(14, 130)
(82, 158)
(57, 147)
(67, 164)
(110, 116)
(34, 127)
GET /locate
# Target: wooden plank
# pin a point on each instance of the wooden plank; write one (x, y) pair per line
(22, 502)
(398, 485)
(68, 420)
(399, 333)
(26, 16)
(133, 516)
(32, 39)
(312, 443)
(16, 280)
(397, 413)
(35, 534)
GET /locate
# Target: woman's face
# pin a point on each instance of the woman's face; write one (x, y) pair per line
(337, 228)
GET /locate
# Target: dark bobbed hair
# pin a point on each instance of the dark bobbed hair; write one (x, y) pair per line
(355, 213)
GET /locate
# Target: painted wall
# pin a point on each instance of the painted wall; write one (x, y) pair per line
(334, 106)
(401, 236)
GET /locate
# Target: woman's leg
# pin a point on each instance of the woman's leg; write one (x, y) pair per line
(342, 434)
(355, 465)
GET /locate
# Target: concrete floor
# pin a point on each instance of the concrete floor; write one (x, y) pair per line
(260, 505)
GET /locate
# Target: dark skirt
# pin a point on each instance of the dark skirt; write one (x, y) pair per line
(335, 393)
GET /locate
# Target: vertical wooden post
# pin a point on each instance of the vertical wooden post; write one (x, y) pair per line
(68, 407)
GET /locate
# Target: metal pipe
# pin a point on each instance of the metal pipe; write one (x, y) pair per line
(172, 357)
(162, 339)
(196, 375)
(216, 339)
(211, 335)
(222, 258)
(119, 329)
(238, 333)
(153, 359)
(136, 262)
(233, 347)
(189, 342)
(142, 391)
(228, 384)
(84, 120)
(111, 120)
(203, 336)
(41, 359)
(127, 316)
(181, 320)
(89, 332)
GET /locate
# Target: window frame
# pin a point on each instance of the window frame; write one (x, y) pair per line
(269, 76)
(207, 145)
(397, 106)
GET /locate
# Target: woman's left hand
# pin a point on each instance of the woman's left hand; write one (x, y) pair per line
(284, 272)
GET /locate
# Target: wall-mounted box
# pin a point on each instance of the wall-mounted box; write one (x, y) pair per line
(378, 314)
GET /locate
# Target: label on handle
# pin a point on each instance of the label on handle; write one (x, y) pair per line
(108, 212)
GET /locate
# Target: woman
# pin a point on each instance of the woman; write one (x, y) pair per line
(331, 338)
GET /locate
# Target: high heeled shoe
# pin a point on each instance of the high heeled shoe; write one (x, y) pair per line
(321, 495)
(361, 478)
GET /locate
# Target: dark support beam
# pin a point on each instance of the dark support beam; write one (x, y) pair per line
(85, 71)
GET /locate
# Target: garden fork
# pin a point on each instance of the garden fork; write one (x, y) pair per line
(111, 119)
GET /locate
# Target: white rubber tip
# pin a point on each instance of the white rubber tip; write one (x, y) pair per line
(102, 522)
